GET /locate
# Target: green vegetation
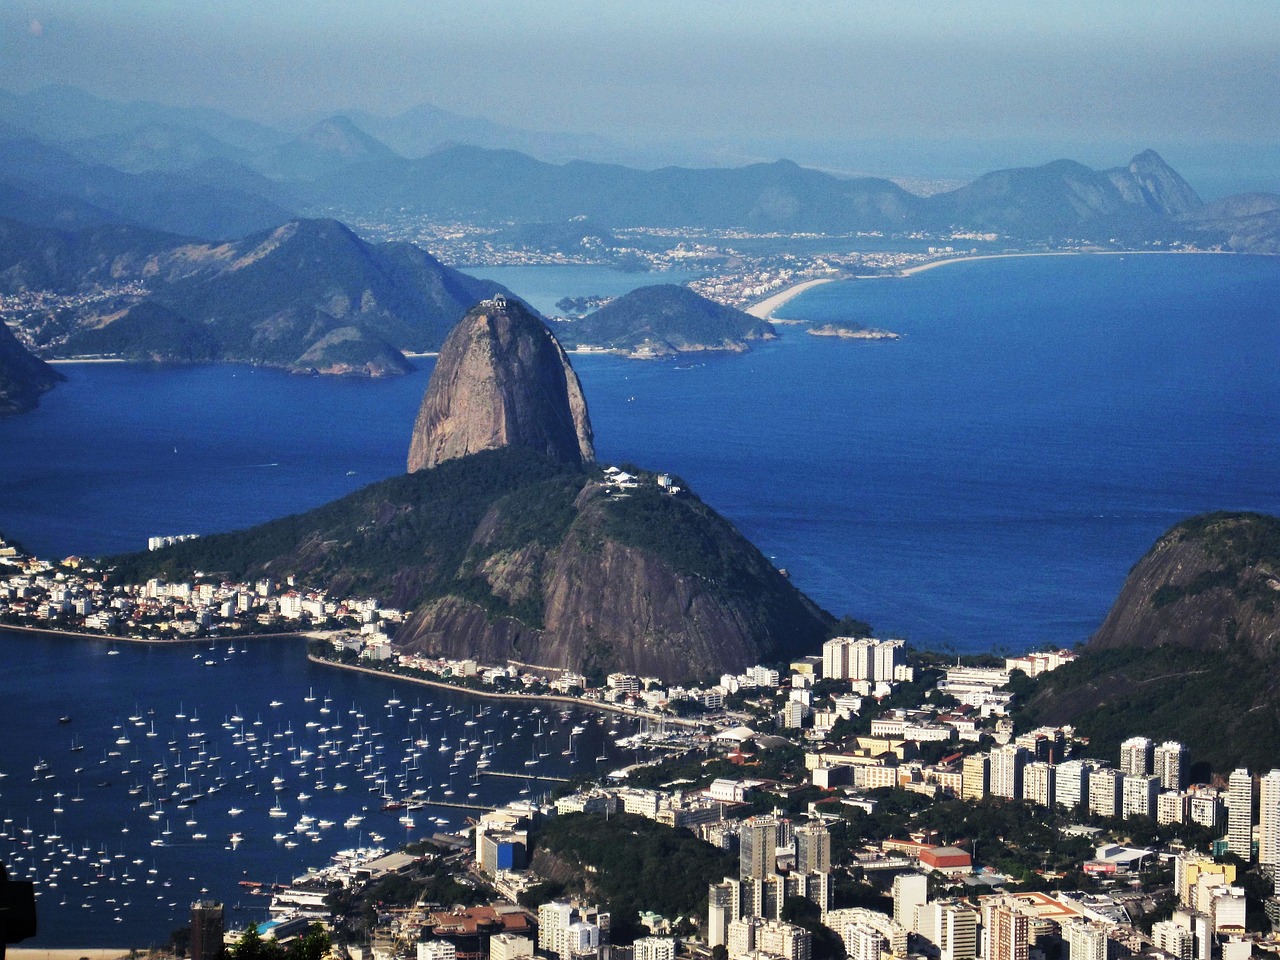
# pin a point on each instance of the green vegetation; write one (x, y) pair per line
(314, 945)
(1240, 542)
(406, 540)
(1165, 693)
(664, 318)
(634, 864)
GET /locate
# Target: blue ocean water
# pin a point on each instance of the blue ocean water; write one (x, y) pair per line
(119, 853)
(986, 481)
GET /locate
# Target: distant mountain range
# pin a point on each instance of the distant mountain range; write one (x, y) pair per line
(72, 159)
(309, 295)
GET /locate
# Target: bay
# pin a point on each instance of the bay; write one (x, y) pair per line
(240, 729)
(986, 481)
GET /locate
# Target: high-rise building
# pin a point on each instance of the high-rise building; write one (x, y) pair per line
(1171, 765)
(654, 948)
(1269, 819)
(1136, 757)
(1175, 940)
(1138, 796)
(1085, 940)
(509, 946)
(973, 777)
(1006, 931)
(951, 926)
(1037, 783)
(1105, 785)
(910, 890)
(784, 940)
(206, 930)
(1006, 771)
(863, 942)
(813, 848)
(723, 907)
(1171, 807)
(1071, 783)
(1240, 816)
(758, 848)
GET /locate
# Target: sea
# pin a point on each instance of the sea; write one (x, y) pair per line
(983, 483)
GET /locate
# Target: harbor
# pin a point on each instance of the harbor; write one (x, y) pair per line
(159, 781)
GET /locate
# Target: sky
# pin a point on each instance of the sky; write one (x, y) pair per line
(755, 74)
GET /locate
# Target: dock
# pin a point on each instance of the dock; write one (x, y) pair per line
(525, 776)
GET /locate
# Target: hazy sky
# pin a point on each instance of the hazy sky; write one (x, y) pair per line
(1129, 71)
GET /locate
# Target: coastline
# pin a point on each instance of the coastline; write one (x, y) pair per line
(80, 635)
(921, 268)
(764, 309)
(495, 695)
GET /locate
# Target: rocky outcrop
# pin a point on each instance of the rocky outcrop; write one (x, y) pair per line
(509, 555)
(664, 320)
(648, 585)
(23, 377)
(1211, 583)
(502, 380)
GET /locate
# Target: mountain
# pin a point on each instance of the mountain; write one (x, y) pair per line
(508, 554)
(324, 148)
(72, 261)
(502, 380)
(1189, 650)
(1063, 198)
(154, 147)
(466, 182)
(1247, 221)
(23, 377)
(60, 113)
(1211, 584)
(309, 296)
(664, 320)
(162, 201)
(424, 128)
(524, 551)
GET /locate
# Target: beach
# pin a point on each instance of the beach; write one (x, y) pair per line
(764, 309)
(909, 271)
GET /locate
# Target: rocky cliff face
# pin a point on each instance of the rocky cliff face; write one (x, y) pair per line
(23, 377)
(623, 589)
(502, 380)
(1211, 583)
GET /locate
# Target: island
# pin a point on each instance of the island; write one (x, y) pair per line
(664, 320)
(852, 331)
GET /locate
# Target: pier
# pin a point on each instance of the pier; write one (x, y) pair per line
(524, 776)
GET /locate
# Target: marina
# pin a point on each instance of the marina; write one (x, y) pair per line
(160, 782)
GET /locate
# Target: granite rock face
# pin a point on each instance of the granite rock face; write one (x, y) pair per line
(502, 380)
(1210, 584)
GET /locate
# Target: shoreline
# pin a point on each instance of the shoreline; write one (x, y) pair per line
(764, 309)
(111, 638)
(932, 264)
(495, 695)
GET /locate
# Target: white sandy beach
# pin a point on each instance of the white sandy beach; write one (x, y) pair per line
(764, 309)
(1056, 253)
